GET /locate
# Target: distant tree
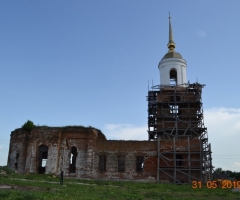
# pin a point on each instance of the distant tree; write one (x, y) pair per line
(236, 175)
(28, 126)
(231, 174)
(218, 170)
(228, 172)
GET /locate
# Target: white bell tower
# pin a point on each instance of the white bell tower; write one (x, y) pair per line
(172, 67)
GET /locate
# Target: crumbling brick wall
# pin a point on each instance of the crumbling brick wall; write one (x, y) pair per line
(90, 143)
(130, 150)
(27, 154)
(26, 144)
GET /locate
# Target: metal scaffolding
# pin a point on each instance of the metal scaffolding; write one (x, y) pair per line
(175, 119)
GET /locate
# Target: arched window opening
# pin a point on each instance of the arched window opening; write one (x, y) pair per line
(121, 163)
(173, 77)
(73, 158)
(140, 163)
(42, 158)
(16, 163)
(102, 163)
(179, 160)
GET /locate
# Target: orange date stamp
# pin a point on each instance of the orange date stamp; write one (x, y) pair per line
(225, 184)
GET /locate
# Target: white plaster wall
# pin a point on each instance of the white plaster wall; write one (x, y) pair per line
(165, 67)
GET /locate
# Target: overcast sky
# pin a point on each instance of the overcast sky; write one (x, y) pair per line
(88, 63)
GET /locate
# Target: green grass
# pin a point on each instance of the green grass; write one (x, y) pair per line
(34, 186)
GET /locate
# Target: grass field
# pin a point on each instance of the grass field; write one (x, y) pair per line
(34, 186)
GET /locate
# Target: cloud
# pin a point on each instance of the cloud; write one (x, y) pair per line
(125, 132)
(1, 147)
(223, 121)
(201, 34)
(224, 134)
(236, 164)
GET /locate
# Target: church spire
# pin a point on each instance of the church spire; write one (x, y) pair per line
(171, 45)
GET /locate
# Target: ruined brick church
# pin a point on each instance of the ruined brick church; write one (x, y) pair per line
(177, 150)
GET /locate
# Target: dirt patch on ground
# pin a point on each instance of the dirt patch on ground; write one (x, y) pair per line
(18, 187)
(236, 190)
(5, 187)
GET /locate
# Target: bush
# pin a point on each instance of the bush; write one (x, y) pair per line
(28, 126)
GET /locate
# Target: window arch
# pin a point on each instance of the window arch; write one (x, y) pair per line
(73, 158)
(173, 76)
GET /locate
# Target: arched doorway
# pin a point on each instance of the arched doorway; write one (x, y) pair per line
(42, 158)
(73, 158)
